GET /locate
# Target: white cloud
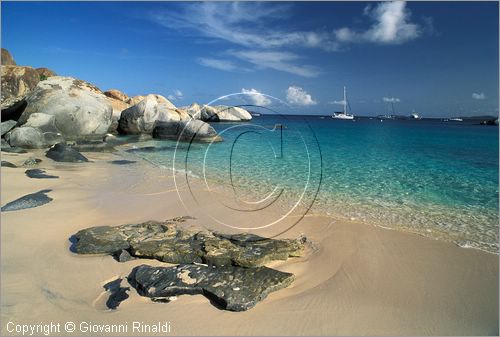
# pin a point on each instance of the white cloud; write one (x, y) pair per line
(391, 25)
(217, 64)
(176, 95)
(479, 96)
(297, 95)
(391, 99)
(282, 61)
(256, 97)
(243, 23)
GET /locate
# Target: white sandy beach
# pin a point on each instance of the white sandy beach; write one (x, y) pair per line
(358, 280)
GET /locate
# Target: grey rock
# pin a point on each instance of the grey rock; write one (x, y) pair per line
(124, 256)
(28, 201)
(123, 162)
(166, 242)
(193, 130)
(43, 122)
(31, 162)
(79, 108)
(39, 174)
(32, 138)
(141, 117)
(7, 126)
(7, 148)
(218, 113)
(8, 164)
(63, 153)
(231, 288)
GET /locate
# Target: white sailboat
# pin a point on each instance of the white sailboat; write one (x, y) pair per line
(344, 114)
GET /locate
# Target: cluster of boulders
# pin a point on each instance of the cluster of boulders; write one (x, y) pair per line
(40, 109)
(228, 269)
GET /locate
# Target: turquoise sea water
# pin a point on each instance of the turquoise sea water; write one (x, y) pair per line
(435, 178)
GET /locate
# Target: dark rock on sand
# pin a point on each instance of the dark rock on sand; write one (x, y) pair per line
(28, 201)
(39, 174)
(8, 164)
(64, 153)
(165, 241)
(231, 288)
(123, 162)
(117, 293)
(7, 126)
(31, 162)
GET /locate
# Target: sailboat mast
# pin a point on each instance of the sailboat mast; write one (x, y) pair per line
(345, 102)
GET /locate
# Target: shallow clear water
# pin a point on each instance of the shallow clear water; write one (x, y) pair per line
(438, 179)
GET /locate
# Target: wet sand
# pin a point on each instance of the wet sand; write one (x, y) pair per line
(357, 279)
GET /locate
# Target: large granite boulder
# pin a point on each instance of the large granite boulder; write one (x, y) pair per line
(218, 113)
(168, 242)
(64, 153)
(79, 108)
(141, 117)
(116, 94)
(193, 130)
(159, 98)
(32, 138)
(232, 288)
(7, 59)
(45, 73)
(17, 82)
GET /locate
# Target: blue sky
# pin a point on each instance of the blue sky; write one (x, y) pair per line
(438, 58)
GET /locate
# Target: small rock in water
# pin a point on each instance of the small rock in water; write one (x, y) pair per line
(28, 201)
(253, 284)
(8, 164)
(39, 174)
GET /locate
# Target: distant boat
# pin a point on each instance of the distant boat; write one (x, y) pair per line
(456, 119)
(255, 114)
(415, 115)
(343, 114)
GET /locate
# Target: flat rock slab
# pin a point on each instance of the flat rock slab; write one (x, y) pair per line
(167, 242)
(122, 162)
(39, 174)
(28, 201)
(8, 164)
(231, 288)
